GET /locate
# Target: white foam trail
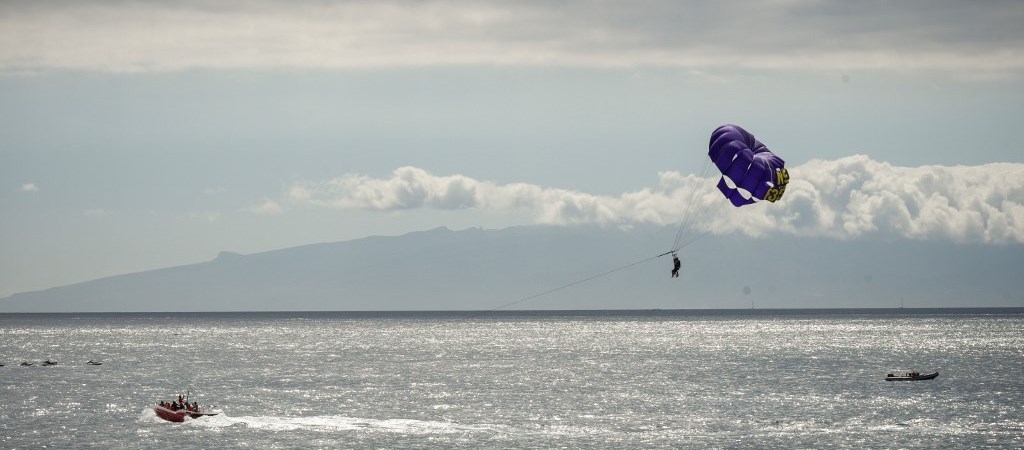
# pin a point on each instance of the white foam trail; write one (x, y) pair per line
(338, 423)
(149, 416)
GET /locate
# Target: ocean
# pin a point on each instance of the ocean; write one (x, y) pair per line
(554, 379)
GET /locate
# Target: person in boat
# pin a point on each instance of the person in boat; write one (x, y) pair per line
(195, 406)
(675, 265)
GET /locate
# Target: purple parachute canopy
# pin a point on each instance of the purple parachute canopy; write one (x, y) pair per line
(750, 172)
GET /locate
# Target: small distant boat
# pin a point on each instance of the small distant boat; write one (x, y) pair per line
(94, 363)
(910, 375)
(49, 363)
(26, 363)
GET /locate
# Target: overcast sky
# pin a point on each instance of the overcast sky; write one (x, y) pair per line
(138, 135)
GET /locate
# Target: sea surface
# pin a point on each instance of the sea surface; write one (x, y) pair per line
(603, 379)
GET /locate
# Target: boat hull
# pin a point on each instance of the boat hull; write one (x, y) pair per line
(178, 416)
(917, 378)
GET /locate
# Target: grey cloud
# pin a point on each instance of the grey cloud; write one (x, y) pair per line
(114, 36)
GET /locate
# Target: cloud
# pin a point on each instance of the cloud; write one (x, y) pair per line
(267, 207)
(849, 198)
(856, 196)
(115, 36)
(29, 187)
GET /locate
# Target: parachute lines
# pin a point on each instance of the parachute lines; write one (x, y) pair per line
(574, 283)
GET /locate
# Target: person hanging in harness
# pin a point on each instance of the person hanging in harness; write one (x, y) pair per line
(675, 265)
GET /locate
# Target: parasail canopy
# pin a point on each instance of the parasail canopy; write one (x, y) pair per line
(750, 172)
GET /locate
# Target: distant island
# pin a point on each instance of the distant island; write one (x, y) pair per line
(475, 269)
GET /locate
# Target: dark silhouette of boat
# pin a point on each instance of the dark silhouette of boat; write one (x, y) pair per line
(910, 375)
(26, 363)
(49, 363)
(94, 363)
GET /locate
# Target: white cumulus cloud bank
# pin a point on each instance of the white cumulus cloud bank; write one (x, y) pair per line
(848, 198)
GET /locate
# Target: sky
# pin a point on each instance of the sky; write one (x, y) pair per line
(141, 135)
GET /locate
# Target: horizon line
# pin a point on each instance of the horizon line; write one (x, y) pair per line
(473, 313)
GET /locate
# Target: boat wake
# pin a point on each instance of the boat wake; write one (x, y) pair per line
(149, 416)
(335, 423)
(330, 424)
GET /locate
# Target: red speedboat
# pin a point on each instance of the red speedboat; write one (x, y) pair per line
(179, 415)
(176, 411)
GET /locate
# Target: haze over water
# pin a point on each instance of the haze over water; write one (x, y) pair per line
(620, 379)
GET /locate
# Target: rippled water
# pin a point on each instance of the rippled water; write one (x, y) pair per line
(784, 379)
